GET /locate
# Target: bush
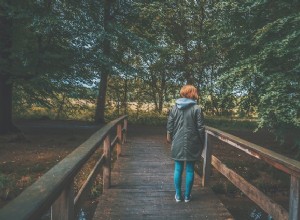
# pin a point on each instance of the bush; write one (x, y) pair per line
(5, 182)
(231, 123)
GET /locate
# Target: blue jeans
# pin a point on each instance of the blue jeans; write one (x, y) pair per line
(189, 176)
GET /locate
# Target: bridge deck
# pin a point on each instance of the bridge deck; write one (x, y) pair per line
(142, 186)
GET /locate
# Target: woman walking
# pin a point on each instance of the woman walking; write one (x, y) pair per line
(185, 129)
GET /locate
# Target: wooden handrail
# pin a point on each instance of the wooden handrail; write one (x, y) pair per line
(55, 188)
(283, 163)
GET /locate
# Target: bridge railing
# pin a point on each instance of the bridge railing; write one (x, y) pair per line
(55, 189)
(285, 164)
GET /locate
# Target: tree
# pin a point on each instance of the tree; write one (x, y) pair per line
(262, 58)
(38, 50)
(6, 124)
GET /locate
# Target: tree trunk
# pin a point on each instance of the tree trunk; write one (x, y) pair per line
(100, 107)
(101, 99)
(6, 87)
(189, 77)
(161, 94)
(6, 123)
(125, 95)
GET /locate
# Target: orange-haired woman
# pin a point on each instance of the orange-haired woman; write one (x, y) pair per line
(185, 129)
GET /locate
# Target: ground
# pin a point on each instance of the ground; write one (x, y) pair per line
(23, 158)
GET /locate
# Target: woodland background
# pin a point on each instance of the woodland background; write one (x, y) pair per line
(95, 59)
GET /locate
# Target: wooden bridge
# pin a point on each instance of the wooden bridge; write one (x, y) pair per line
(140, 185)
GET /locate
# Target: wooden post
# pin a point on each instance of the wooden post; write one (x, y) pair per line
(294, 199)
(207, 160)
(107, 163)
(125, 131)
(119, 143)
(63, 207)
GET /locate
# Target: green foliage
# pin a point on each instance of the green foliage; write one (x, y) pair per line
(243, 56)
(69, 108)
(143, 118)
(5, 186)
(262, 59)
(225, 123)
(4, 182)
(148, 119)
(96, 190)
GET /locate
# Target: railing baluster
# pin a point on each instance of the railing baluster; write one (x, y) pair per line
(63, 207)
(119, 135)
(125, 131)
(294, 198)
(207, 160)
(107, 163)
(43, 195)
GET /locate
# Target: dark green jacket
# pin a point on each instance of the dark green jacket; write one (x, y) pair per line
(186, 127)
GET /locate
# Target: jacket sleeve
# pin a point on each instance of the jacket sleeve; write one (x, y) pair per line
(170, 123)
(200, 125)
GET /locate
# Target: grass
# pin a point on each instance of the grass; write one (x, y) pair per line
(149, 117)
(5, 183)
(231, 123)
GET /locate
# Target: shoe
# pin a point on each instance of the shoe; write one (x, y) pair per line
(187, 198)
(177, 198)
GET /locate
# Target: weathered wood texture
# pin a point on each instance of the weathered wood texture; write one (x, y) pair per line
(294, 198)
(206, 154)
(107, 164)
(142, 187)
(37, 199)
(63, 207)
(267, 204)
(278, 161)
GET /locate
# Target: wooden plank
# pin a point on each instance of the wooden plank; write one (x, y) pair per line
(85, 188)
(119, 135)
(125, 128)
(207, 152)
(113, 143)
(279, 161)
(268, 205)
(142, 187)
(63, 207)
(36, 200)
(158, 205)
(107, 163)
(294, 199)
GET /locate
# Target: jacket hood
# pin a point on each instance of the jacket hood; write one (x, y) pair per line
(184, 102)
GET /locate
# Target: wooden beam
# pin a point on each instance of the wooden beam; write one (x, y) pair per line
(37, 199)
(294, 199)
(88, 183)
(278, 161)
(63, 207)
(107, 163)
(119, 143)
(113, 143)
(207, 152)
(268, 205)
(125, 131)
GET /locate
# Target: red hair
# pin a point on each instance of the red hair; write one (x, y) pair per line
(189, 91)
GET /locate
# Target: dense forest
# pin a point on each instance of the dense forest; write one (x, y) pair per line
(242, 55)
